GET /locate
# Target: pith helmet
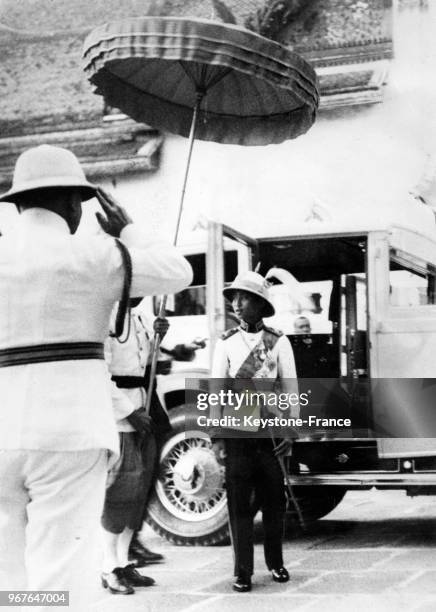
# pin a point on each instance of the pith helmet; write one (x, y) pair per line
(254, 283)
(48, 166)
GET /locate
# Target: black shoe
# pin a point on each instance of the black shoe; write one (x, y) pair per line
(134, 578)
(116, 582)
(140, 555)
(242, 584)
(280, 575)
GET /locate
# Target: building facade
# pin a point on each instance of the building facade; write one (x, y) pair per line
(375, 132)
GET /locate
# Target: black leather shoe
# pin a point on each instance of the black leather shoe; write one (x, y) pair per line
(140, 555)
(280, 575)
(134, 578)
(116, 582)
(242, 584)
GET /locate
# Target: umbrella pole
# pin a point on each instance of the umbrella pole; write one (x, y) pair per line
(199, 99)
(157, 339)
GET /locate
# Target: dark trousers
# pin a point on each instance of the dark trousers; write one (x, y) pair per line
(150, 459)
(253, 472)
(125, 492)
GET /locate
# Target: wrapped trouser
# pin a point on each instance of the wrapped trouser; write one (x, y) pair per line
(129, 483)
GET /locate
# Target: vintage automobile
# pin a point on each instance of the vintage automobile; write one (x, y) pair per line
(373, 316)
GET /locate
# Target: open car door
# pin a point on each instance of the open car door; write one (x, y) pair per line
(403, 343)
(220, 238)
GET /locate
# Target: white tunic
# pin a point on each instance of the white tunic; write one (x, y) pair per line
(278, 362)
(58, 287)
(128, 356)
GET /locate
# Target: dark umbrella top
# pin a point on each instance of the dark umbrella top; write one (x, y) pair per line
(256, 91)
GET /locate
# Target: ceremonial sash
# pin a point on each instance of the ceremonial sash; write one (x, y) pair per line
(253, 363)
(248, 369)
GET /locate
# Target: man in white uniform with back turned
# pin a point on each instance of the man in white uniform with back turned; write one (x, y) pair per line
(57, 429)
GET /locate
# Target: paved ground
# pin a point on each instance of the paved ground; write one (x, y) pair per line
(376, 552)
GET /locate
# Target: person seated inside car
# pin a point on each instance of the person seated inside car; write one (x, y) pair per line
(302, 326)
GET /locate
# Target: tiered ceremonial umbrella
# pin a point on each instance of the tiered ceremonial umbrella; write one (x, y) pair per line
(202, 79)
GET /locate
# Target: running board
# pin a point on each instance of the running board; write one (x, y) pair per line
(365, 480)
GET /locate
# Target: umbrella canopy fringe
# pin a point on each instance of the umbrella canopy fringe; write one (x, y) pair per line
(269, 50)
(154, 69)
(210, 127)
(285, 80)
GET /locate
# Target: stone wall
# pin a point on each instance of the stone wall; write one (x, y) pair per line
(42, 82)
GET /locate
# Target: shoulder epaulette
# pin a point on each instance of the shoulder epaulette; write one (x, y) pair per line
(229, 333)
(275, 332)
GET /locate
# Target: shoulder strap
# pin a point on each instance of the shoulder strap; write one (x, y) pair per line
(272, 330)
(271, 337)
(229, 333)
(124, 301)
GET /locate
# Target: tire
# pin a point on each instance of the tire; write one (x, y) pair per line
(188, 505)
(314, 503)
(198, 516)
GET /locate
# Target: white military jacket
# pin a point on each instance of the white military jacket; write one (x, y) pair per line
(277, 363)
(58, 287)
(128, 356)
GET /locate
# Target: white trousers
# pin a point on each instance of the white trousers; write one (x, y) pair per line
(50, 509)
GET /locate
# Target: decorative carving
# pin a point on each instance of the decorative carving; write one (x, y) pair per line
(345, 82)
(109, 149)
(275, 15)
(304, 24)
(413, 4)
(342, 23)
(308, 26)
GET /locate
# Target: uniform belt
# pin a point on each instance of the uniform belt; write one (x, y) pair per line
(40, 353)
(129, 382)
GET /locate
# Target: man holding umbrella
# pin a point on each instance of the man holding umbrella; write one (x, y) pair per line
(57, 430)
(132, 477)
